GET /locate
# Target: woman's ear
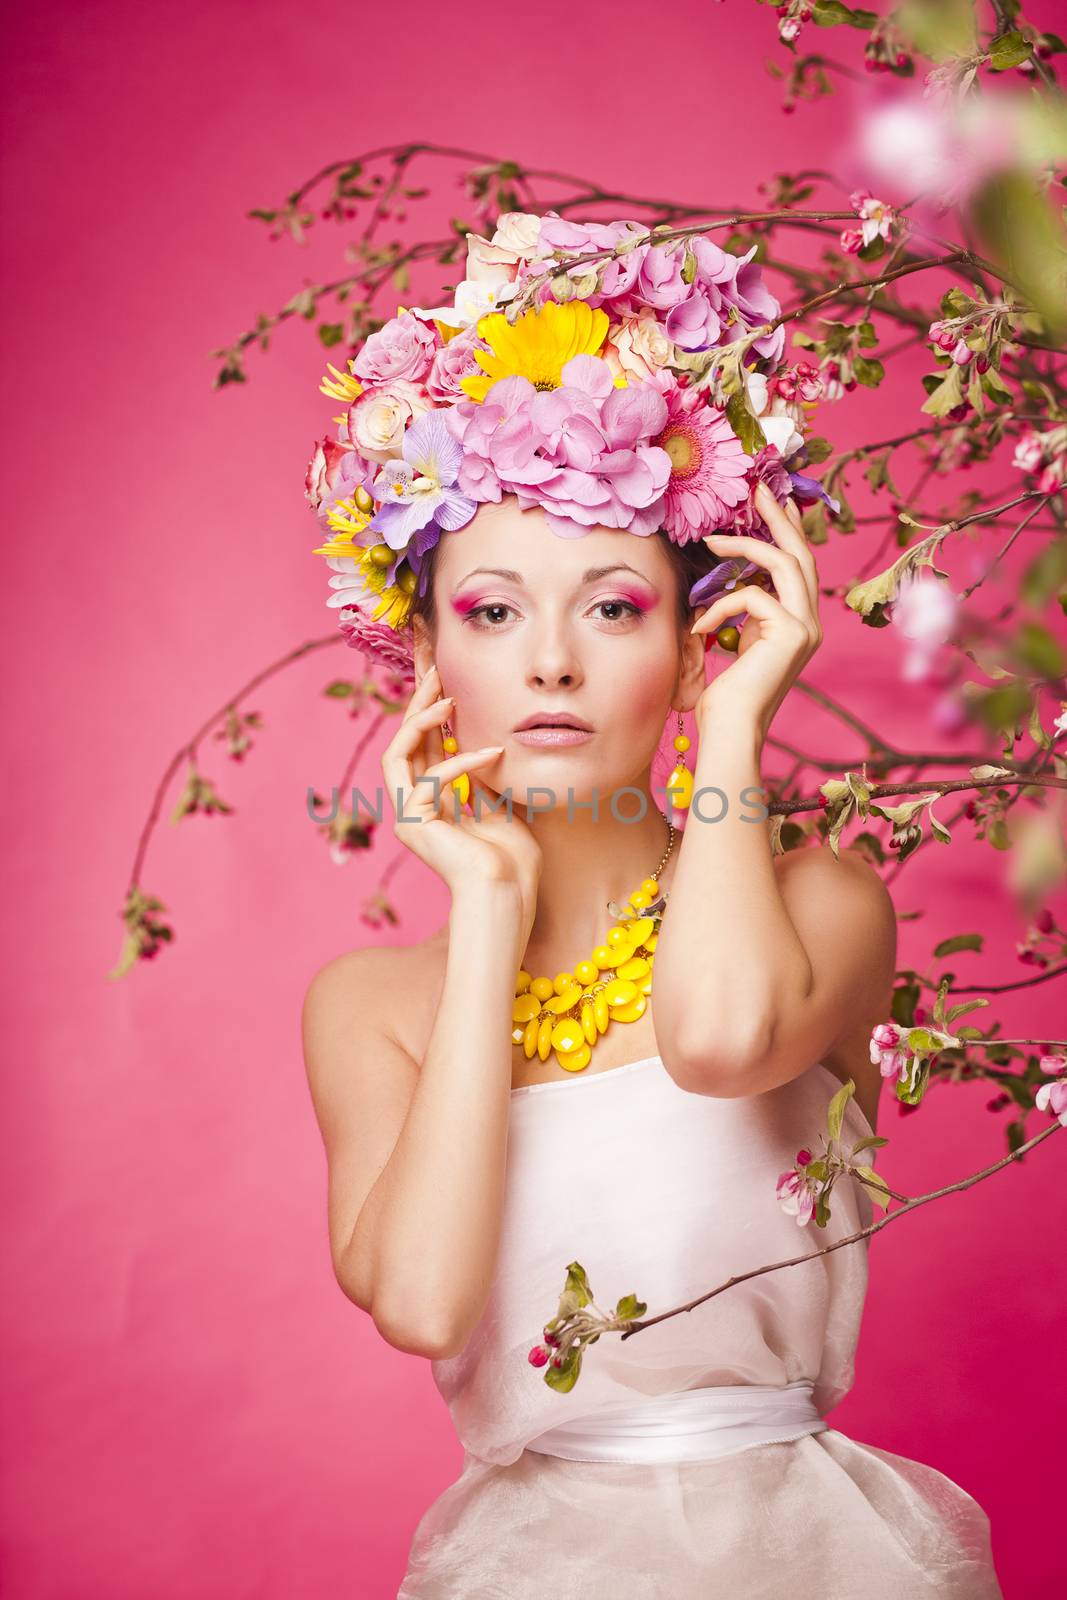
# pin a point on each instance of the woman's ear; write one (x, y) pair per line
(692, 678)
(422, 647)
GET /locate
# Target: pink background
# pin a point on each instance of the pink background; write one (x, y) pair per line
(191, 1406)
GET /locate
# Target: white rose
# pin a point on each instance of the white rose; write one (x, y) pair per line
(639, 347)
(517, 231)
(378, 420)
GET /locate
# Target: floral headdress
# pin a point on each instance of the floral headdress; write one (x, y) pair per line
(622, 396)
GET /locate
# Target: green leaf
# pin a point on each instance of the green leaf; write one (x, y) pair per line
(818, 449)
(1009, 50)
(961, 1010)
(948, 394)
(962, 941)
(876, 1186)
(1024, 236)
(744, 424)
(836, 1110)
(630, 1307)
(830, 13)
(939, 28)
(870, 1141)
(331, 333)
(868, 371)
(1004, 707)
(1046, 575)
(1039, 651)
(564, 1377)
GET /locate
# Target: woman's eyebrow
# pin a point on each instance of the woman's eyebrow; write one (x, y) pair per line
(590, 575)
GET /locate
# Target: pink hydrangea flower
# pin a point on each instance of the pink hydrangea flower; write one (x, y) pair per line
(584, 452)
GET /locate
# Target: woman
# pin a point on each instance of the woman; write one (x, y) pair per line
(466, 1173)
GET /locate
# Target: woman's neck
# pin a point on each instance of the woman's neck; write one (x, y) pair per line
(586, 863)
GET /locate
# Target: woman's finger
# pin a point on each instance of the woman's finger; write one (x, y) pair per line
(754, 601)
(781, 564)
(786, 526)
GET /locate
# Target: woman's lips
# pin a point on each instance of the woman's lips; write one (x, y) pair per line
(546, 737)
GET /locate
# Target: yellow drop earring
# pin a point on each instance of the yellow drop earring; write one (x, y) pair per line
(461, 786)
(680, 782)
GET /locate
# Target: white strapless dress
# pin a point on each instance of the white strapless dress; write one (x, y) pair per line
(596, 1493)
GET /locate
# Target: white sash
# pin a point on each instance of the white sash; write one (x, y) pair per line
(692, 1425)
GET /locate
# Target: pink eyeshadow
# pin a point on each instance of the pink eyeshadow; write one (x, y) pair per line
(463, 603)
(644, 602)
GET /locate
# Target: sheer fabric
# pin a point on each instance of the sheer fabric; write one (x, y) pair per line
(665, 1194)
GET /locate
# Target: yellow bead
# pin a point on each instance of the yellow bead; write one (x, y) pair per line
(525, 1007)
(631, 1012)
(544, 1037)
(589, 1027)
(619, 992)
(651, 941)
(449, 744)
(563, 1002)
(681, 741)
(636, 967)
(618, 936)
(601, 1014)
(568, 1035)
(522, 980)
(680, 788)
(640, 930)
(543, 988)
(604, 956)
(562, 981)
(587, 972)
(645, 984)
(650, 886)
(529, 1038)
(380, 555)
(462, 788)
(639, 899)
(574, 1060)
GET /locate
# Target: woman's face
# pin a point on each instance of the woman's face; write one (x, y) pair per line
(529, 623)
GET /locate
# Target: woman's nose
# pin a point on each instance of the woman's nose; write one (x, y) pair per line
(554, 664)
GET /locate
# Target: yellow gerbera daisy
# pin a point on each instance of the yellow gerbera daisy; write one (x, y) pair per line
(347, 518)
(343, 385)
(537, 346)
(391, 602)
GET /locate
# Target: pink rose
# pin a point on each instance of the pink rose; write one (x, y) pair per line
(404, 348)
(323, 469)
(454, 360)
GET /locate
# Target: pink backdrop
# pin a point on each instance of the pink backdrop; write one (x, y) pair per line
(191, 1406)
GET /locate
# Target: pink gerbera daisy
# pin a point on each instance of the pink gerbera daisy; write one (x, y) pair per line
(708, 465)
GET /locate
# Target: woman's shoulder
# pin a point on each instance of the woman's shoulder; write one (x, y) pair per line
(373, 973)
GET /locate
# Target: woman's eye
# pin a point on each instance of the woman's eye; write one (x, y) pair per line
(621, 608)
(490, 605)
(617, 611)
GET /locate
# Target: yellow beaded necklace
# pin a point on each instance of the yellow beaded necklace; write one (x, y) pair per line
(568, 1013)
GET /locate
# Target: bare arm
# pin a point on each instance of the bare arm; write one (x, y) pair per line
(417, 1154)
(762, 977)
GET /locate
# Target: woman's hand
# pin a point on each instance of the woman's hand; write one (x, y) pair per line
(459, 848)
(780, 635)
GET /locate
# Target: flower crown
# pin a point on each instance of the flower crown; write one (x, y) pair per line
(597, 403)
